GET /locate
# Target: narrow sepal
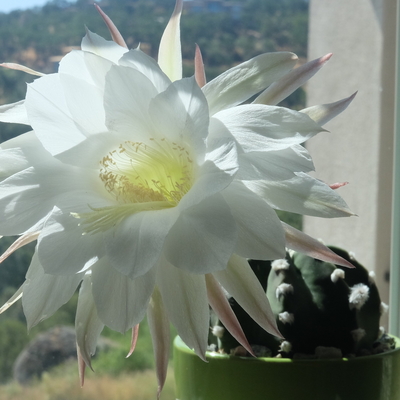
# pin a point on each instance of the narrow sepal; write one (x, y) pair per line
(169, 54)
(115, 34)
(286, 85)
(22, 68)
(20, 242)
(325, 112)
(199, 72)
(135, 335)
(81, 366)
(88, 326)
(14, 298)
(338, 185)
(239, 281)
(299, 241)
(239, 83)
(160, 335)
(220, 304)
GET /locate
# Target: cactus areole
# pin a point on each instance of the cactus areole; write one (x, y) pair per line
(322, 310)
(333, 346)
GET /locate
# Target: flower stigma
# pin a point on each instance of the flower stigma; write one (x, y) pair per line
(141, 177)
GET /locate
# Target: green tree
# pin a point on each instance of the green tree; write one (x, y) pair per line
(13, 338)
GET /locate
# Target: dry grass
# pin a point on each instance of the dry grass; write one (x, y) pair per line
(64, 385)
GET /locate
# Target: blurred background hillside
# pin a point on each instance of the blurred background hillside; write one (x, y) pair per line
(228, 32)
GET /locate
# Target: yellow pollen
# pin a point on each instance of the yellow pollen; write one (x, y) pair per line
(141, 177)
(140, 173)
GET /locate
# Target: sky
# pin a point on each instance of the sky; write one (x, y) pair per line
(10, 5)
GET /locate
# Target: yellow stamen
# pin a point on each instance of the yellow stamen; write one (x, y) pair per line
(139, 172)
(141, 177)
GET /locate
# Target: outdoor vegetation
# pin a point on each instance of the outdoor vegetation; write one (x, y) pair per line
(38, 38)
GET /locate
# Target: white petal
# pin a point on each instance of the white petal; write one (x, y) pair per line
(29, 195)
(181, 115)
(97, 67)
(203, 238)
(44, 294)
(222, 148)
(160, 335)
(147, 66)
(241, 283)
(126, 100)
(286, 85)
(74, 64)
(243, 81)
(14, 113)
(260, 233)
(89, 153)
(22, 203)
(121, 302)
(325, 112)
(11, 162)
(265, 128)
(211, 181)
(215, 174)
(104, 48)
(302, 195)
(63, 249)
(275, 165)
(185, 298)
(20, 153)
(50, 117)
(299, 241)
(135, 244)
(85, 103)
(21, 140)
(88, 325)
(169, 53)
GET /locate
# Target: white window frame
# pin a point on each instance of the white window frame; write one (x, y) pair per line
(394, 316)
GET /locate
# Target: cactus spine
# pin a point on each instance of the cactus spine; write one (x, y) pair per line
(321, 309)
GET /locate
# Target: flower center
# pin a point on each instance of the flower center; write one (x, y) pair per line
(141, 177)
(140, 173)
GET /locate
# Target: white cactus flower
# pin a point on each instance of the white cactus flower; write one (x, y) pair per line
(151, 190)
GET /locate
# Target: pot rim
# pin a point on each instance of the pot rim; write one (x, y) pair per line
(178, 343)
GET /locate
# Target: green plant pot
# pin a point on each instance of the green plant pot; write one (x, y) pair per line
(223, 377)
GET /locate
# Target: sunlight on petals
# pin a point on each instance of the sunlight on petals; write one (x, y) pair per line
(169, 53)
(149, 192)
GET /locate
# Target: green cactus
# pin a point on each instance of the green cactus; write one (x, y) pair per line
(321, 309)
